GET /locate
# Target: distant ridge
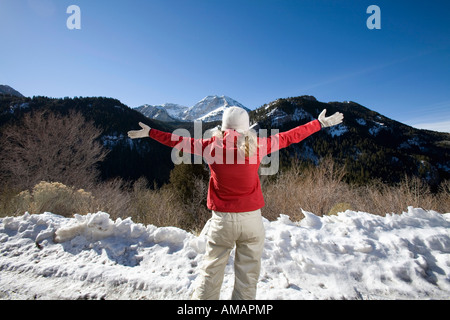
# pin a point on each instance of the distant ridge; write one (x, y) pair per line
(208, 109)
(8, 91)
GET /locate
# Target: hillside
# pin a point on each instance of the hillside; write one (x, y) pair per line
(165, 112)
(8, 91)
(367, 143)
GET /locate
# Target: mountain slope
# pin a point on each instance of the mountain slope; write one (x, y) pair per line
(165, 112)
(369, 144)
(8, 91)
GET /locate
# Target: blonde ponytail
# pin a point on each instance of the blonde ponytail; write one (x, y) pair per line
(247, 142)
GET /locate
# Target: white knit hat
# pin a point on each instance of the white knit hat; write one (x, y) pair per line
(235, 118)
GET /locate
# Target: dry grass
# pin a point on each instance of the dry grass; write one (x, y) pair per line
(66, 201)
(160, 207)
(315, 190)
(381, 199)
(157, 207)
(320, 190)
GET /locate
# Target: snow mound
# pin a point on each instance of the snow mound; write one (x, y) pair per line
(351, 255)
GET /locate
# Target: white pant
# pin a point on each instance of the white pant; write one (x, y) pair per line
(223, 231)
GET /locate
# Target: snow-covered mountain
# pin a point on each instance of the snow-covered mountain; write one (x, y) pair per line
(208, 109)
(165, 112)
(211, 108)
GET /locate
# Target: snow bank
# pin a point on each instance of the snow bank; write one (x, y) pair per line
(352, 255)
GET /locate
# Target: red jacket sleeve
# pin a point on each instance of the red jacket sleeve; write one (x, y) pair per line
(284, 139)
(188, 144)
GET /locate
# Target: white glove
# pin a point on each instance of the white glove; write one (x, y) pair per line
(144, 133)
(331, 120)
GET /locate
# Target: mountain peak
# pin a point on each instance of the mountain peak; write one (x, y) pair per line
(308, 97)
(165, 112)
(211, 108)
(7, 90)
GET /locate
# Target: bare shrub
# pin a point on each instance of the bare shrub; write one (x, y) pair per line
(46, 146)
(7, 199)
(159, 207)
(112, 197)
(444, 197)
(64, 200)
(316, 190)
(195, 211)
(165, 206)
(381, 199)
(53, 197)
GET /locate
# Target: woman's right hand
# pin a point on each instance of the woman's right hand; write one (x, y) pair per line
(144, 133)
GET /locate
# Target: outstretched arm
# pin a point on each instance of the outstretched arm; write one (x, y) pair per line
(188, 144)
(285, 139)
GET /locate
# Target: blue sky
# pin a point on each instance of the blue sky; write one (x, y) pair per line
(255, 51)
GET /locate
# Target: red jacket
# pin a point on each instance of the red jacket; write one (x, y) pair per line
(234, 187)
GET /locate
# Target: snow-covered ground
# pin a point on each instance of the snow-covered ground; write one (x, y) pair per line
(352, 255)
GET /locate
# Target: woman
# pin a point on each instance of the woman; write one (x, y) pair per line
(234, 195)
